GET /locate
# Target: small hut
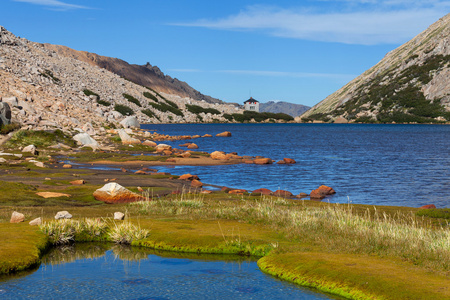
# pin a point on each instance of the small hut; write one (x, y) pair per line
(251, 104)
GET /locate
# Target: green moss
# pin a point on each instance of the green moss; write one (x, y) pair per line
(39, 138)
(356, 276)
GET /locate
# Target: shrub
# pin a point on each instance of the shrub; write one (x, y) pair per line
(132, 99)
(149, 113)
(103, 102)
(163, 107)
(123, 109)
(173, 104)
(90, 93)
(443, 213)
(195, 109)
(150, 96)
(7, 128)
(49, 74)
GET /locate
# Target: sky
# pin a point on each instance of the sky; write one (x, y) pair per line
(286, 50)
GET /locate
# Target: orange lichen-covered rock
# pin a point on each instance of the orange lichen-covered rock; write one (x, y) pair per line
(289, 160)
(321, 192)
(224, 134)
(192, 146)
(149, 143)
(115, 193)
(237, 191)
(282, 193)
(219, 155)
(262, 191)
(196, 183)
(429, 206)
(262, 161)
(188, 177)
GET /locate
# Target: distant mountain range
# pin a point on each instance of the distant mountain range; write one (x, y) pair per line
(411, 84)
(291, 109)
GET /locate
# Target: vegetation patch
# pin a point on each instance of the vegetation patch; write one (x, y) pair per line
(132, 99)
(442, 213)
(49, 74)
(149, 113)
(163, 107)
(150, 96)
(39, 138)
(195, 109)
(247, 116)
(124, 110)
(7, 128)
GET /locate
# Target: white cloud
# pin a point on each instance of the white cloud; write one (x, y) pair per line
(344, 77)
(350, 26)
(54, 4)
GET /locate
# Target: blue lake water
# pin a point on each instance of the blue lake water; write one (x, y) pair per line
(399, 165)
(113, 274)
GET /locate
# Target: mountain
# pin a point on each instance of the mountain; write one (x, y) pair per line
(146, 75)
(410, 84)
(51, 86)
(283, 107)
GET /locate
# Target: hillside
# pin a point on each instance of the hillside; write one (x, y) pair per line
(147, 75)
(51, 89)
(291, 109)
(410, 84)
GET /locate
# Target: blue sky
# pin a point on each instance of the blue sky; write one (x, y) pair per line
(295, 51)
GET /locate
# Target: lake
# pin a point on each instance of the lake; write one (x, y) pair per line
(97, 271)
(398, 165)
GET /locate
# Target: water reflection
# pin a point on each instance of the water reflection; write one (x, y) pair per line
(101, 271)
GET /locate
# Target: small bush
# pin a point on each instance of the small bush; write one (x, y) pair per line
(150, 96)
(49, 74)
(443, 213)
(163, 107)
(123, 109)
(171, 103)
(149, 113)
(103, 102)
(132, 99)
(90, 93)
(195, 109)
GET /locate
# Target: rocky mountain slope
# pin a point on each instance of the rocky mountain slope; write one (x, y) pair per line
(47, 89)
(147, 75)
(410, 84)
(291, 109)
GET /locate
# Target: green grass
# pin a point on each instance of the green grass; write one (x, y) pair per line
(7, 128)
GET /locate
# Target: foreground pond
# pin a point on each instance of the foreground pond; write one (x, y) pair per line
(93, 271)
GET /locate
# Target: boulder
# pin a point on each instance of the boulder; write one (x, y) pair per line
(192, 146)
(119, 215)
(188, 177)
(17, 217)
(206, 192)
(219, 155)
(12, 101)
(207, 135)
(129, 122)
(31, 149)
(428, 206)
(224, 134)
(289, 160)
(85, 139)
(5, 113)
(149, 143)
(262, 191)
(63, 215)
(115, 193)
(340, 120)
(163, 147)
(126, 139)
(281, 162)
(67, 166)
(283, 193)
(185, 154)
(321, 192)
(262, 161)
(196, 183)
(35, 222)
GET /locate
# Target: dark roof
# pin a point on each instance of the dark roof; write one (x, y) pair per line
(251, 100)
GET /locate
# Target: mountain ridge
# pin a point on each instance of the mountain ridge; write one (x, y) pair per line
(411, 84)
(291, 109)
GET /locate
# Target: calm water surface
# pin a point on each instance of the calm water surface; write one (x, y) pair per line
(400, 165)
(133, 274)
